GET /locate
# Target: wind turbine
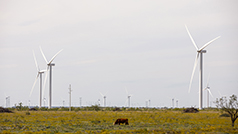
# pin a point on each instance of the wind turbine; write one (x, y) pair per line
(50, 64)
(208, 91)
(39, 74)
(147, 103)
(173, 98)
(104, 99)
(128, 98)
(172, 102)
(200, 52)
(7, 100)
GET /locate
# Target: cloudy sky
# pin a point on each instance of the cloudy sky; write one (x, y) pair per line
(112, 45)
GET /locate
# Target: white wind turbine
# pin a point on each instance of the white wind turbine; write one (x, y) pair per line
(104, 99)
(39, 74)
(200, 51)
(128, 98)
(50, 64)
(208, 91)
(173, 98)
(147, 103)
(7, 100)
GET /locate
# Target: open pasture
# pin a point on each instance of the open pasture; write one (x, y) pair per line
(102, 122)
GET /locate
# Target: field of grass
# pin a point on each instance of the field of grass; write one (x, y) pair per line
(163, 121)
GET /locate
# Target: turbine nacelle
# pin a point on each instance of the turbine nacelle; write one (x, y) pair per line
(201, 51)
(51, 64)
(42, 71)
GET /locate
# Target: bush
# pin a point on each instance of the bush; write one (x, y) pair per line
(225, 115)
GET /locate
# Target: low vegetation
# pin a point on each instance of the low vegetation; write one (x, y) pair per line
(100, 120)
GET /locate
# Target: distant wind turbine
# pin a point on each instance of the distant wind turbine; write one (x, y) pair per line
(200, 51)
(7, 100)
(147, 103)
(39, 73)
(172, 101)
(208, 91)
(221, 94)
(128, 98)
(104, 99)
(50, 64)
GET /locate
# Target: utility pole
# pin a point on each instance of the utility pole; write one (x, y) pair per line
(70, 97)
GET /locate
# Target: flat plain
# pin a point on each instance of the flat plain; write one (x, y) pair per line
(162, 121)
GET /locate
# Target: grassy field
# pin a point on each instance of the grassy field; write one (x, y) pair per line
(163, 121)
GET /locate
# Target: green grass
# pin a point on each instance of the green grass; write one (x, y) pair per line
(102, 122)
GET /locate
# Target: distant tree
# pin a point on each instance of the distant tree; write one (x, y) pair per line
(230, 106)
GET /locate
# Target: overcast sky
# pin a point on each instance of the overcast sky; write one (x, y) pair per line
(110, 45)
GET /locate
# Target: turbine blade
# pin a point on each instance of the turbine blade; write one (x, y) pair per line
(106, 93)
(101, 94)
(194, 67)
(34, 84)
(45, 80)
(208, 43)
(36, 62)
(210, 92)
(208, 79)
(55, 56)
(43, 56)
(126, 91)
(205, 88)
(219, 93)
(191, 38)
(126, 101)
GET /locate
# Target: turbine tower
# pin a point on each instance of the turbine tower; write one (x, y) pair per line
(70, 97)
(50, 64)
(177, 103)
(200, 52)
(39, 74)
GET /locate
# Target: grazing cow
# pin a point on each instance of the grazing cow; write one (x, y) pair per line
(121, 120)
